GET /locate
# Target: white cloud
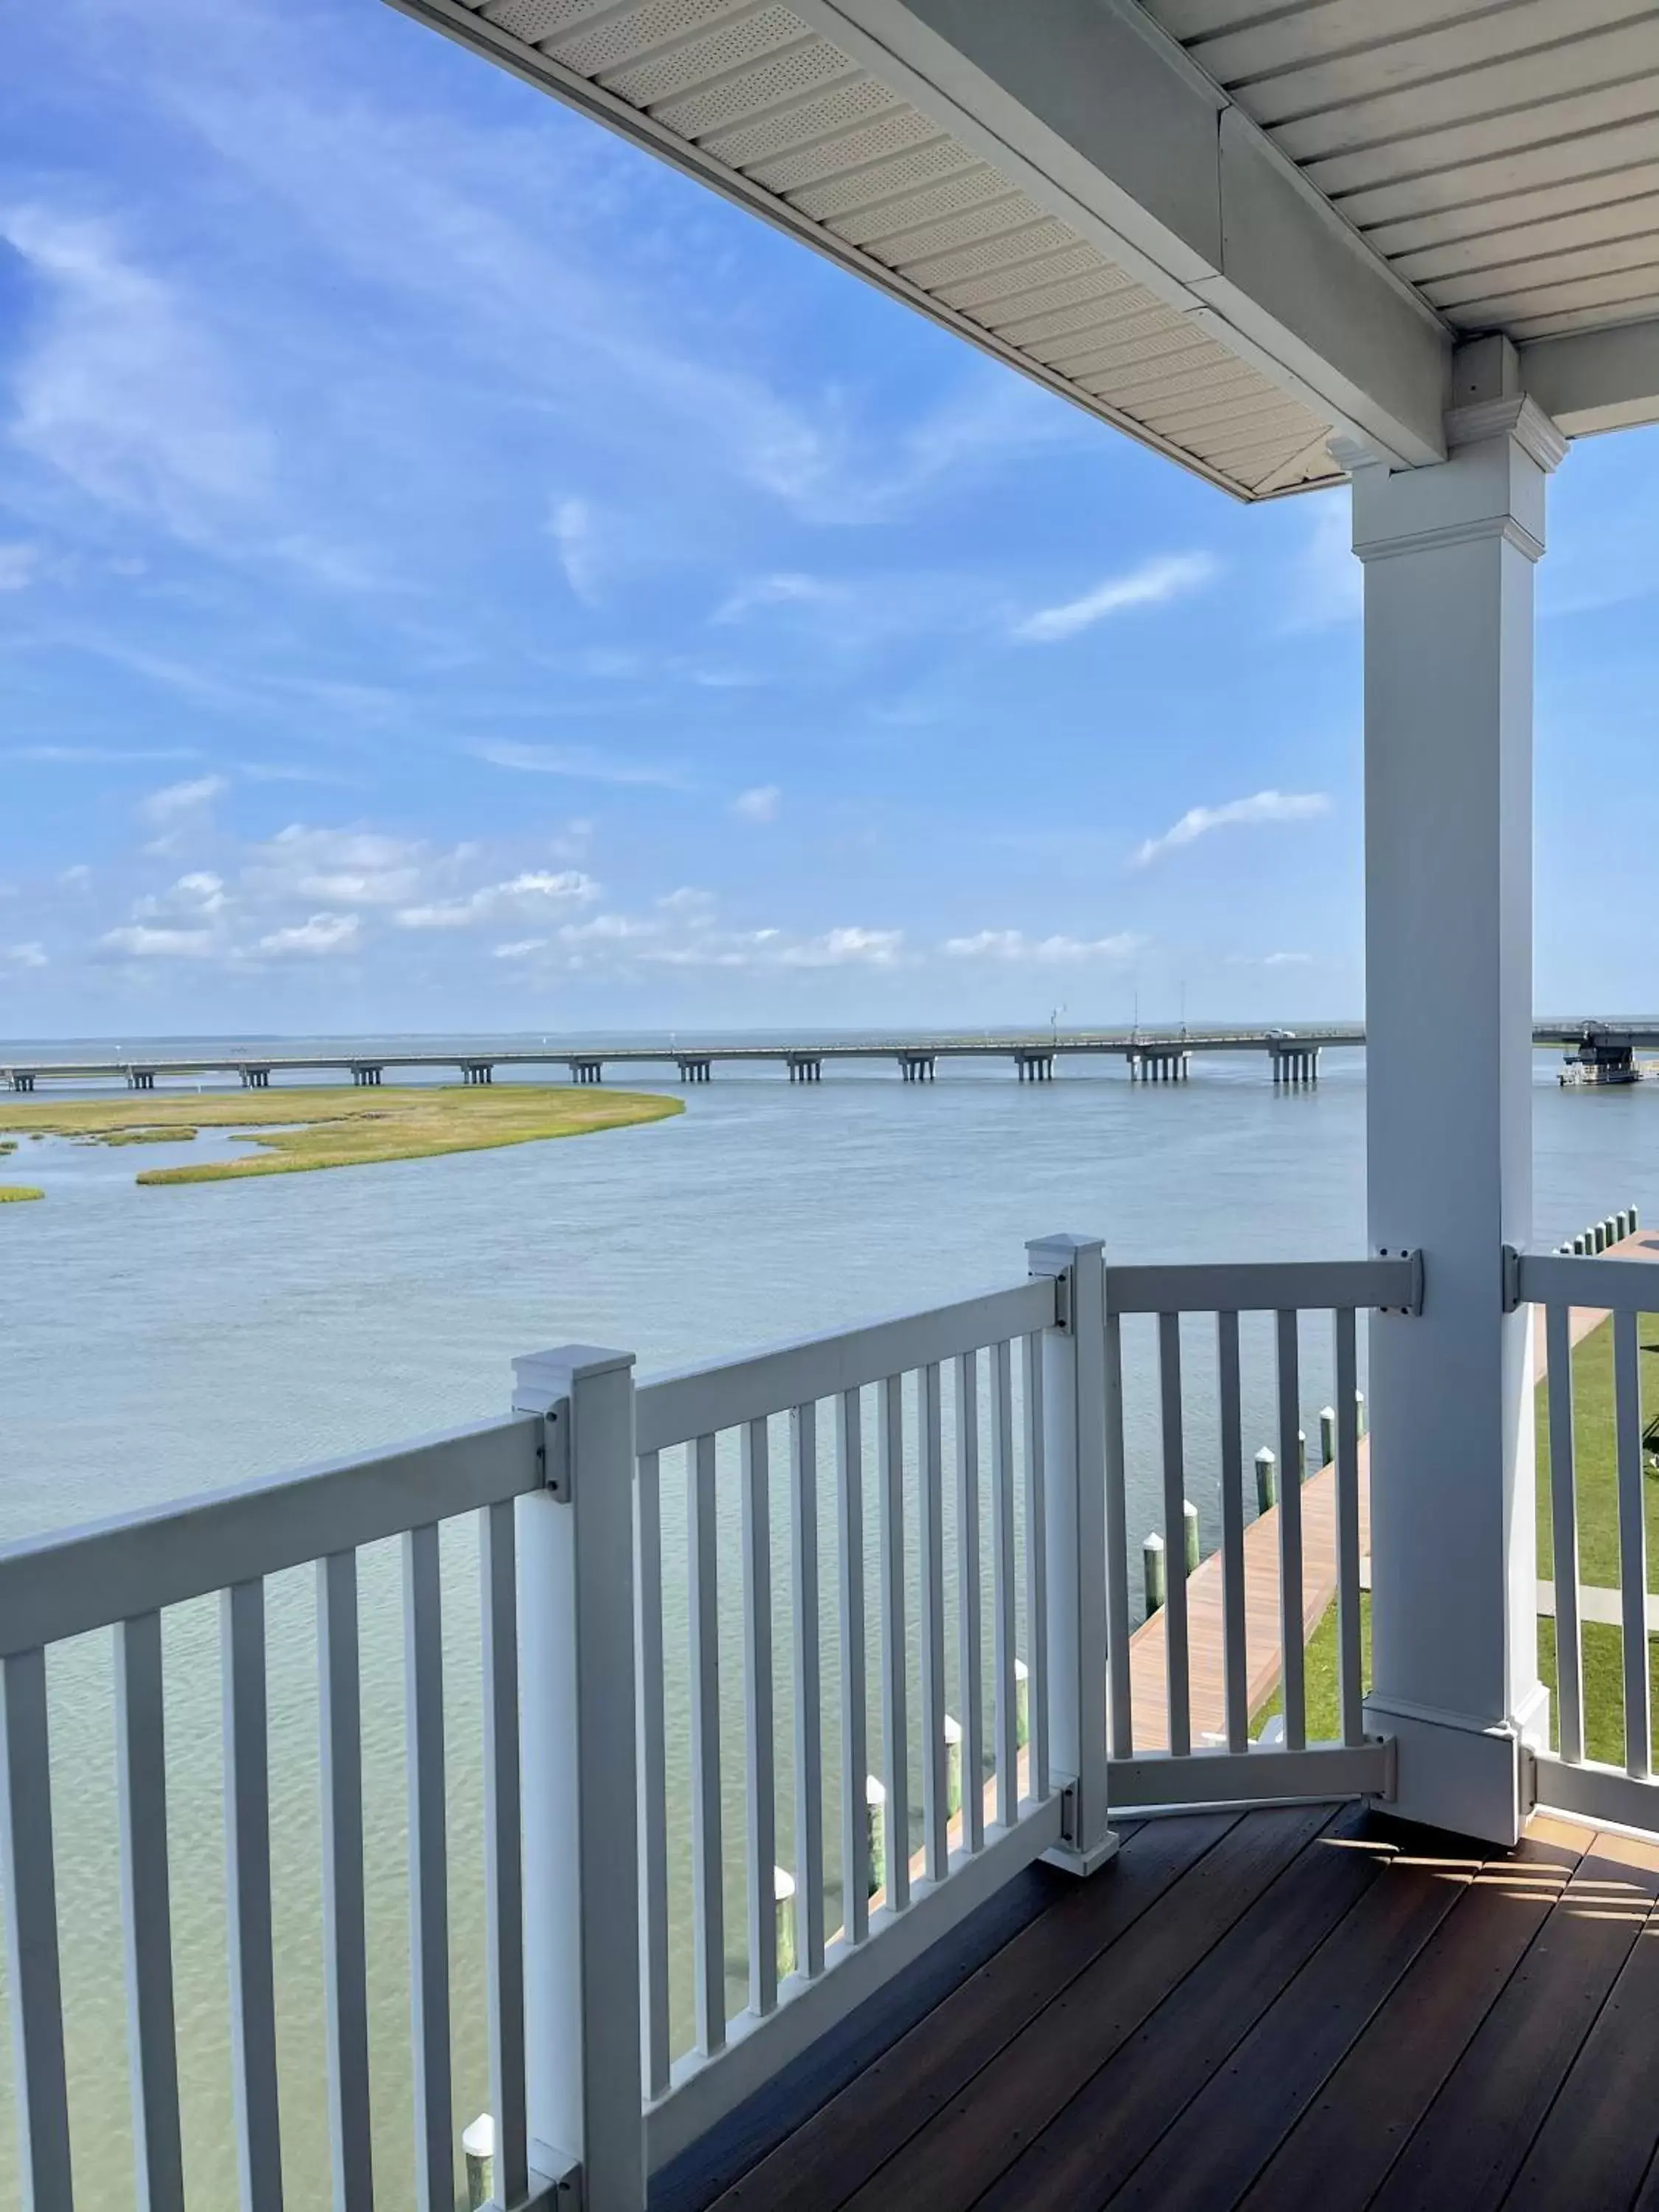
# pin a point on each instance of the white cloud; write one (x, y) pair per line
(100, 756)
(842, 948)
(1013, 945)
(138, 940)
(343, 867)
(321, 933)
(18, 565)
(1262, 806)
(163, 808)
(534, 891)
(32, 954)
(119, 390)
(1288, 960)
(583, 763)
(1154, 583)
(790, 589)
(197, 895)
(760, 805)
(520, 949)
(570, 526)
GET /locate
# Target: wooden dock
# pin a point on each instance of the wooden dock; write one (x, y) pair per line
(1148, 1676)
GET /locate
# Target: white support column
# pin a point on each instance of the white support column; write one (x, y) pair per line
(581, 1880)
(1449, 553)
(1074, 1528)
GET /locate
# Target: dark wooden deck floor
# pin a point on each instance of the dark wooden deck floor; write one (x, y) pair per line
(1306, 2007)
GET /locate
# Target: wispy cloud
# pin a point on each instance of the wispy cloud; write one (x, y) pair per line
(344, 867)
(317, 936)
(760, 805)
(582, 764)
(120, 388)
(1153, 584)
(787, 590)
(534, 891)
(847, 947)
(19, 565)
(102, 756)
(1013, 945)
(30, 954)
(1262, 807)
(178, 810)
(570, 526)
(141, 940)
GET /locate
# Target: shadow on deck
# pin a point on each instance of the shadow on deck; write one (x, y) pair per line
(1310, 2005)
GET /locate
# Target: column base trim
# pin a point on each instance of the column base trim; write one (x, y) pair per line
(1452, 1770)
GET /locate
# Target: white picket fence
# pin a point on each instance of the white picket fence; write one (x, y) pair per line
(1007, 1406)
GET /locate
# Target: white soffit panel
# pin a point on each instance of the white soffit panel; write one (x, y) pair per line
(1503, 159)
(752, 98)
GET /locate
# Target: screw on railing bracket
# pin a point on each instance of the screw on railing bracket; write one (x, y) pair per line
(1511, 1279)
(553, 1450)
(1414, 1294)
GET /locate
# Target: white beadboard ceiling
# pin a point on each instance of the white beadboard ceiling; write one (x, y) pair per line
(1501, 159)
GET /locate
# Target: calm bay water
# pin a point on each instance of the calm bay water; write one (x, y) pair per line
(156, 1342)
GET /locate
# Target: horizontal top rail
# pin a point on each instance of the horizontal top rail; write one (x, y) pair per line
(672, 1409)
(1597, 1283)
(1269, 1286)
(68, 1581)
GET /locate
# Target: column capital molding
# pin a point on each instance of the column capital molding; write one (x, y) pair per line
(1517, 415)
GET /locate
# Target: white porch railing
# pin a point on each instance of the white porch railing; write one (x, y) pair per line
(990, 1424)
(1178, 1775)
(1568, 1780)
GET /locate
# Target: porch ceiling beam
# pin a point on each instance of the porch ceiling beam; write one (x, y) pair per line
(1596, 379)
(1103, 119)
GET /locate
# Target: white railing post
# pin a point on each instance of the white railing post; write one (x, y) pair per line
(1074, 1538)
(581, 1880)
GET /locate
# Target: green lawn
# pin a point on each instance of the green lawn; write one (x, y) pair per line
(1594, 1455)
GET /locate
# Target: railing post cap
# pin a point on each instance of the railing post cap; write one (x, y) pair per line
(539, 1376)
(1052, 1255)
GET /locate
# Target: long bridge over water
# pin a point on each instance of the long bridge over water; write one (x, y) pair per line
(1151, 1055)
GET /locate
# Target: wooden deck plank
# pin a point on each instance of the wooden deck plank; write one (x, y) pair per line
(1142, 2095)
(1603, 2130)
(1476, 2137)
(1247, 2107)
(948, 2164)
(1346, 2140)
(835, 2152)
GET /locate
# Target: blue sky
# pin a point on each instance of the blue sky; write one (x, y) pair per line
(454, 572)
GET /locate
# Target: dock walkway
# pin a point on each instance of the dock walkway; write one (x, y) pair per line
(1148, 1676)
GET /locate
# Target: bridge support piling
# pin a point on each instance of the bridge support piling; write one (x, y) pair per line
(256, 1078)
(695, 1069)
(141, 1078)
